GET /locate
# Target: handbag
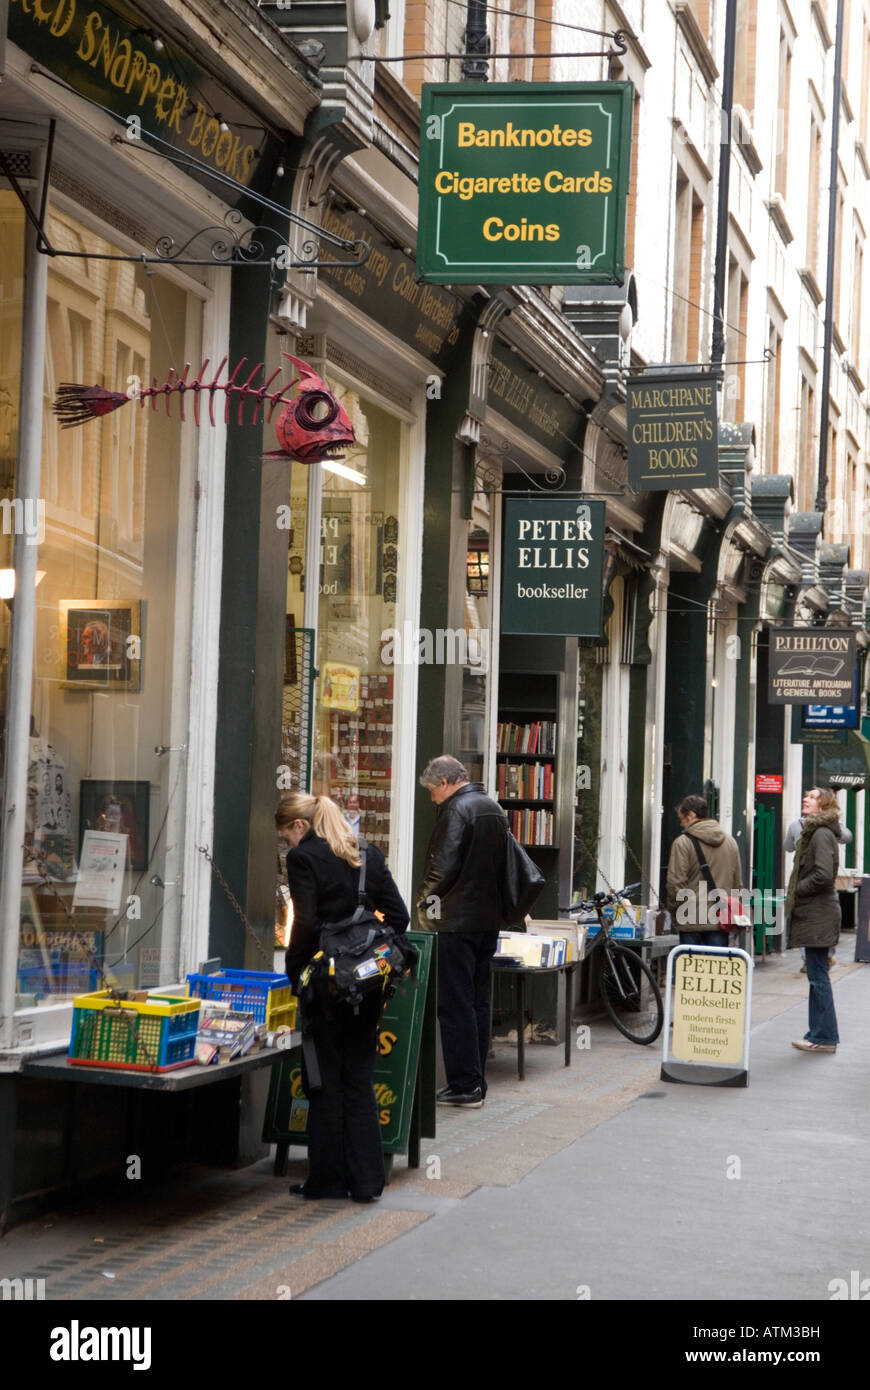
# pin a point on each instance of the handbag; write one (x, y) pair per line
(521, 884)
(731, 914)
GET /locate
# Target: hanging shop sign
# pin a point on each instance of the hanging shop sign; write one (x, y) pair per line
(809, 666)
(115, 58)
(553, 568)
(847, 766)
(672, 431)
(524, 185)
(830, 716)
(709, 1000)
(387, 289)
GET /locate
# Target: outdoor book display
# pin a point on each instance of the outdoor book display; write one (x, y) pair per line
(223, 1017)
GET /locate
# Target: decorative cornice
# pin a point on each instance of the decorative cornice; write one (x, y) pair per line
(821, 24)
(811, 285)
(776, 207)
(696, 40)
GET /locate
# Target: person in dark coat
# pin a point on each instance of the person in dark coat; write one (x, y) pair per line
(345, 1155)
(813, 911)
(460, 897)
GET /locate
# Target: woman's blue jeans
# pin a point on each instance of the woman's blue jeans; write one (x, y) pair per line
(823, 1018)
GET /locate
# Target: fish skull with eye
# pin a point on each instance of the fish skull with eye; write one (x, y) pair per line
(313, 426)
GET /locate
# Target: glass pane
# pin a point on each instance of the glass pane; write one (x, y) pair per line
(105, 821)
(359, 579)
(11, 306)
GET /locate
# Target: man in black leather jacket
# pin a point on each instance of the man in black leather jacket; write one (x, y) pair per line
(460, 898)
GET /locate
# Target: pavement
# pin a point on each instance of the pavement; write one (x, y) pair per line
(594, 1181)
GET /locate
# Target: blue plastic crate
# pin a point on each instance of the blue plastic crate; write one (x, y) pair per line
(259, 992)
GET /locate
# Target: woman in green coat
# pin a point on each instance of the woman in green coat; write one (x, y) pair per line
(813, 910)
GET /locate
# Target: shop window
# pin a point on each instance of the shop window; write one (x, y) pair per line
(11, 306)
(359, 645)
(475, 656)
(102, 885)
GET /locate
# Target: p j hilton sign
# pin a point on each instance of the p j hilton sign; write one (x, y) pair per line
(553, 567)
(811, 666)
(524, 185)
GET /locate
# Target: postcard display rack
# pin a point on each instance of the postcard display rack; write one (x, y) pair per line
(362, 746)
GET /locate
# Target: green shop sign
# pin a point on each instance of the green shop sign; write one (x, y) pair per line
(524, 184)
(110, 57)
(672, 431)
(553, 567)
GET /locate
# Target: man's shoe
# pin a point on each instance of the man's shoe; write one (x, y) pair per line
(832, 961)
(803, 970)
(472, 1100)
(806, 1046)
(300, 1189)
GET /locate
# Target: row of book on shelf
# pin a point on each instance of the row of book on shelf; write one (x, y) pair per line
(531, 827)
(539, 737)
(525, 781)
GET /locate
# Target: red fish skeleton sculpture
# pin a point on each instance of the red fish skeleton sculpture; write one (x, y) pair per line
(311, 427)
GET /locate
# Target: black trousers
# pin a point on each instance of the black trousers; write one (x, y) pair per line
(464, 984)
(344, 1132)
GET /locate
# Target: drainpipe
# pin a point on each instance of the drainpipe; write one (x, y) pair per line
(821, 493)
(717, 350)
(475, 68)
(23, 632)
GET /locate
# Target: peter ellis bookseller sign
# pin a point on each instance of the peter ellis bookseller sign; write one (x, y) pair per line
(553, 567)
(811, 666)
(524, 184)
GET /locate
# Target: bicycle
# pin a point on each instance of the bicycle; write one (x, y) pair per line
(627, 986)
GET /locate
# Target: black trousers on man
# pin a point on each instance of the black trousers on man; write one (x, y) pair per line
(345, 1154)
(464, 985)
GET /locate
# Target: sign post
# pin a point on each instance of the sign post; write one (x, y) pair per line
(524, 185)
(710, 988)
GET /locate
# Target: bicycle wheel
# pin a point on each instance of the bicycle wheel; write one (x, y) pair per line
(630, 994)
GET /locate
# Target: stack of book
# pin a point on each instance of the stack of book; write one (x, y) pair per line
(533, 952)
(225, 1034)
(525, 781)
(527, 738)
(531, 827)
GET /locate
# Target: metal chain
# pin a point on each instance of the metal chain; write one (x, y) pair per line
(236, 905)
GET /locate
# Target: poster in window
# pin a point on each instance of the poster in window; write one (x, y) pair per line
(101, 643)
(117, 807)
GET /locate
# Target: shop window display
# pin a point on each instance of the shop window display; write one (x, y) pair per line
(358, 584)
(11, 307)
(105, 820)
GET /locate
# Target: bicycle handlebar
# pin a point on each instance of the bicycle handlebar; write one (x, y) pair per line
(602, 899)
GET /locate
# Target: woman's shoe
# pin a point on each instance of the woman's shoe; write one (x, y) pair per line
(364, 1199)
(806, 1046)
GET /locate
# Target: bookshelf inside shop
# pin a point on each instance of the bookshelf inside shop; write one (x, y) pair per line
(526, 757)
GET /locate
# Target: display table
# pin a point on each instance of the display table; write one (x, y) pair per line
(57, 1067)
(521, 973)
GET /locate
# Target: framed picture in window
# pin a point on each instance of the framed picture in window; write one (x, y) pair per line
(119, 808)
(101, 644)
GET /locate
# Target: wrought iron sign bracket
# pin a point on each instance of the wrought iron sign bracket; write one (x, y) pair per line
(236, 243)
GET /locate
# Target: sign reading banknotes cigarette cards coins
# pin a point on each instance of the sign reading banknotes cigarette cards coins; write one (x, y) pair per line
(811, 666)
(553, 566)
(672, 431)
(524, 184)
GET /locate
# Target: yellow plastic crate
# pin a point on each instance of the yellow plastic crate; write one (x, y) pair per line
(140, 1033)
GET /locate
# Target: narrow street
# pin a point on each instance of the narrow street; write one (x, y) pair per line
(596, 1181)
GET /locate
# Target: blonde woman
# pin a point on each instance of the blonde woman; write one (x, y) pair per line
(323, 862)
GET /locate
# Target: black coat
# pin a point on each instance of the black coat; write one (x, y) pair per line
(325, 888)
(465, 864)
